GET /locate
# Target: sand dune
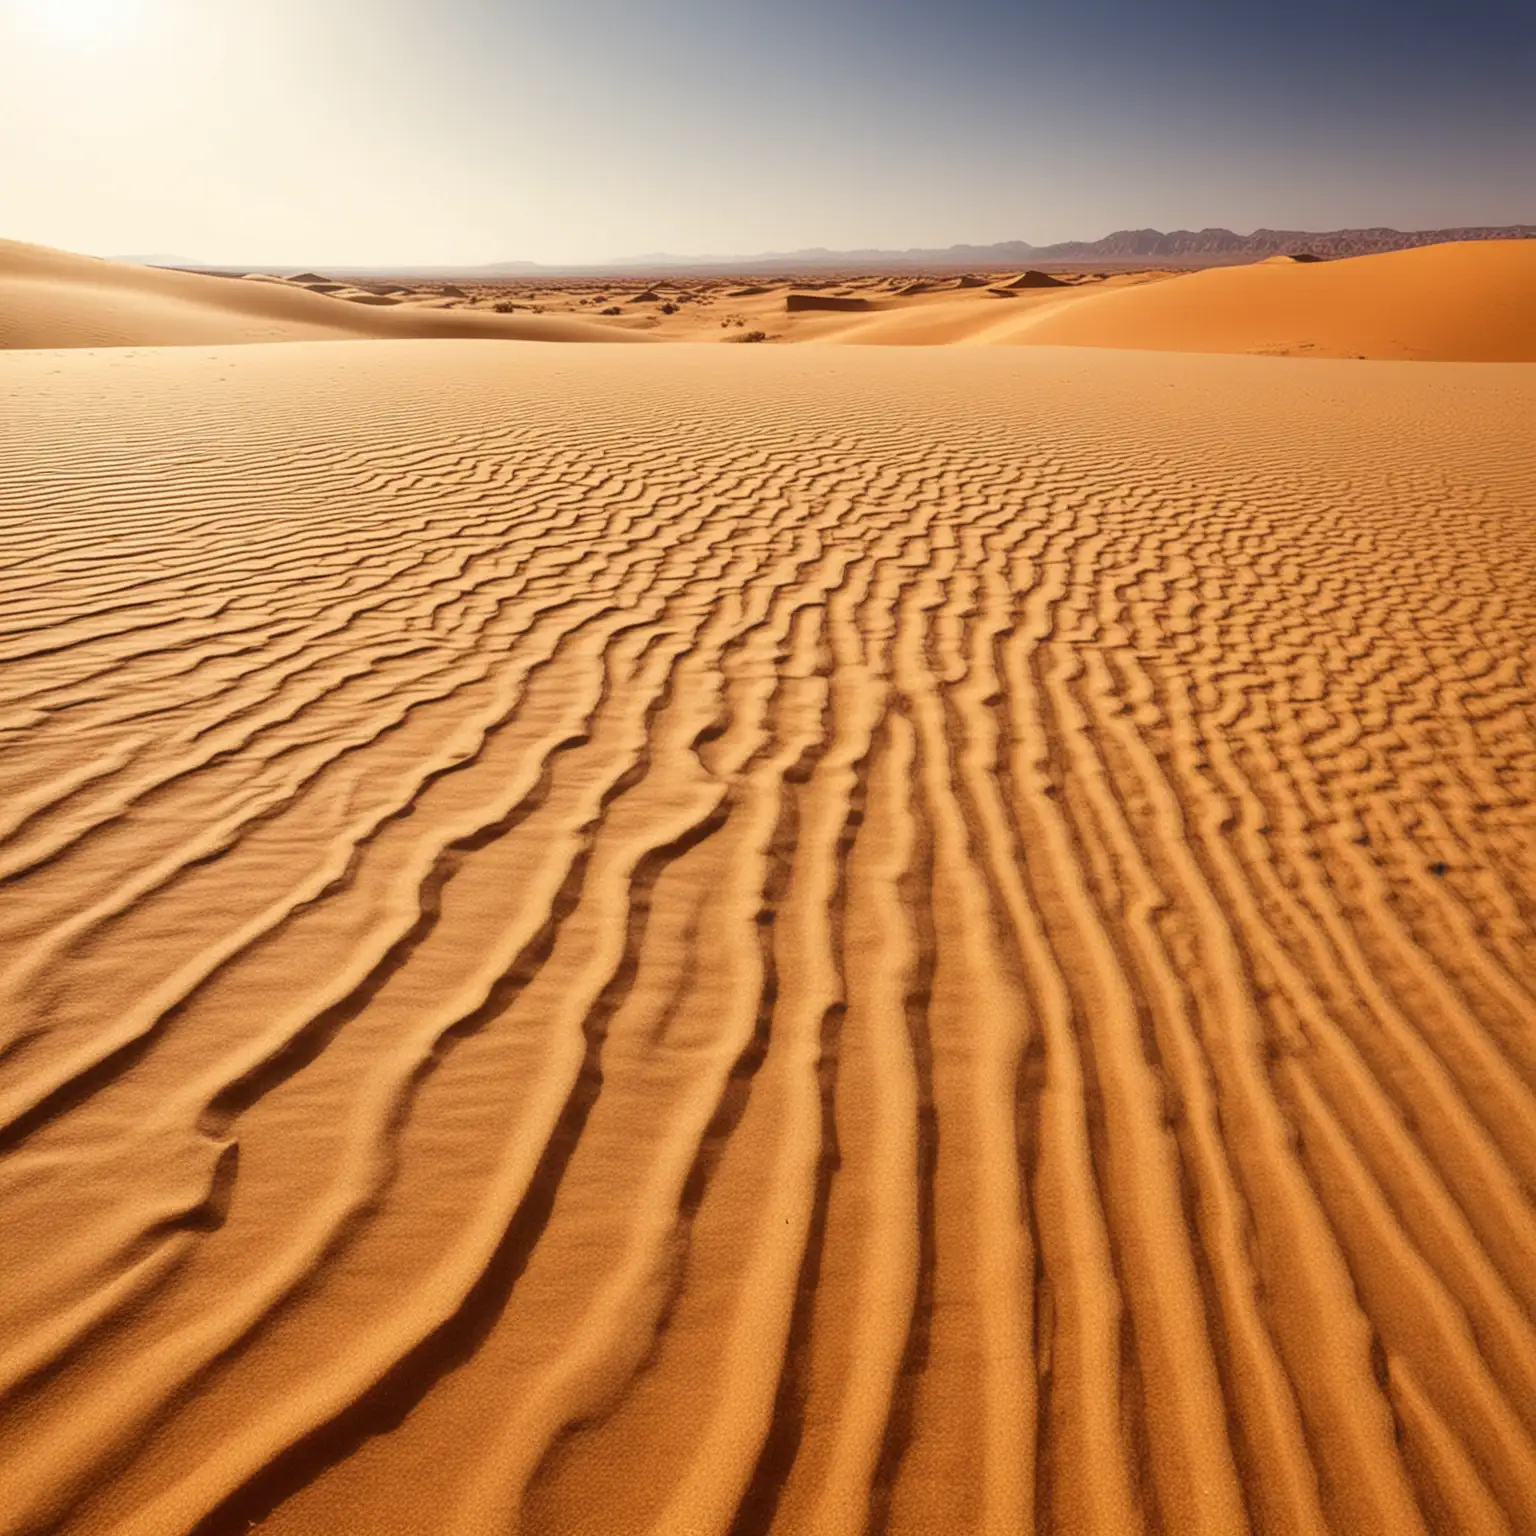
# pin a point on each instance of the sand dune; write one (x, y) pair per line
(1034, 279)
(754, 939)
(834, 302)
(1474, 302)
(54, 299)
(1457, 303)
(1454, 303)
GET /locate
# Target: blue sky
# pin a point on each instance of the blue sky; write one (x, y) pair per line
(478, 130)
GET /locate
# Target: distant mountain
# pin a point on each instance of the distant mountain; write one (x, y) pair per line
(1125, 247)
(1005, 253)
(1211, 246)
(1179, 247)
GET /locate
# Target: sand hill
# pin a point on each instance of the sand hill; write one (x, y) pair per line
(841, 303)
(1034, 278)
(1472, 302)
(54, 299)
(1450, 303)
(769, 941)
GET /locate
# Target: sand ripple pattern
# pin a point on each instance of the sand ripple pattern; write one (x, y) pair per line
(734, 941)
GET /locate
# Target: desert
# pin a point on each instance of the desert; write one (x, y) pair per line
(803, 938)
(767, 768)
(1462, 301)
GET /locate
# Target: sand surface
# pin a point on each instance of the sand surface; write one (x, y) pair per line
(56, 299)
(765, 939)
(1468, 302)
(1474, 301)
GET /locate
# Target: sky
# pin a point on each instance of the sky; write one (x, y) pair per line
(438, 132)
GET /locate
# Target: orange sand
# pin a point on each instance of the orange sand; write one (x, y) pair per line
(752, 939)
(55, 299)
(1472, 302)
(1441, 303)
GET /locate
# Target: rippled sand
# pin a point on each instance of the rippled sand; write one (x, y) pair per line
(740, 939)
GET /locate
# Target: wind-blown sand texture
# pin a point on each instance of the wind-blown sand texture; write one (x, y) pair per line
(741, 940)
(1470, 302)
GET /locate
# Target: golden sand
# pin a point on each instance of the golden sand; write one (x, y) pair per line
(740, 939)
(1469, 302)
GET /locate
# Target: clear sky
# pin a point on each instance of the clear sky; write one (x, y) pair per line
(463, 131)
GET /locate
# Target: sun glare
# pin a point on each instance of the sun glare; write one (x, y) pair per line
(83, 20)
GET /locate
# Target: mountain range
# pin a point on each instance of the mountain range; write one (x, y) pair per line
(1141, 247)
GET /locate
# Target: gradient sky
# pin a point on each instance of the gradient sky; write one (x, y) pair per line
(462, 131)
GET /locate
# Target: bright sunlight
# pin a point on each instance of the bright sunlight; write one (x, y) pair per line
(81, 20)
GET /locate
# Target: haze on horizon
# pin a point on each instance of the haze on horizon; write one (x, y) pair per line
(467, 131)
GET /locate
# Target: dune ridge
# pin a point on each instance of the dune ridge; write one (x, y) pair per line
(1468, 302)
(765, 939)
(56, 299)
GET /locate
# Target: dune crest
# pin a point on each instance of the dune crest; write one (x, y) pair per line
(1034, 279)
(52, 299)
(836, 303)
(1471, 302)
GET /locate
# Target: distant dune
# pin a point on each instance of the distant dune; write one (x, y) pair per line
(1473, 302)
(837, 303)
(1034, 278)
(1467, 302)
(55, 299)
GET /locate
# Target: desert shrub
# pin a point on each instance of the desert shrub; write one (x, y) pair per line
(754, 336)
(669, 308)
(613, 309)
(504, 307)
